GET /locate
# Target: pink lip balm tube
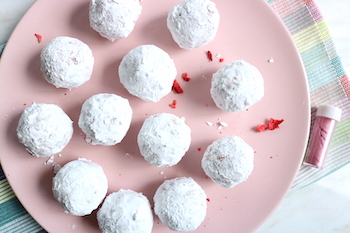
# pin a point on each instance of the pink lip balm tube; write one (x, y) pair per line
(327, 117)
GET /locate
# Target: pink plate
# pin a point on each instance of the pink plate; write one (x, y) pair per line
(249, 30)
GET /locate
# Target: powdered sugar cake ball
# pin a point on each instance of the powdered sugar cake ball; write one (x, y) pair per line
(105, 119)
(80, 186)
(228, 161)
(180, 204)
(147, 72)
(164, 139)
(237, 86)
(193, 23)
(66, 62)
(44, 129)
(125, 211)
(114, 19)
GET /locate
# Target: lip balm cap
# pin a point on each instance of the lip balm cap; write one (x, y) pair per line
(329, 111)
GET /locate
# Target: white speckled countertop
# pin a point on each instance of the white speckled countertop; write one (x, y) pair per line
(321, 207)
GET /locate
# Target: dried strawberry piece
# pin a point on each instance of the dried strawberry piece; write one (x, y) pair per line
(176, 87)
(210, 55)
(173, 104)
(39, 37)
(185, 77)
(274, 123)
(221, 60)
(261, 128)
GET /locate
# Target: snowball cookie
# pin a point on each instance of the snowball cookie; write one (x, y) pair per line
(105, 119)
(44, 129)
(193, 23)
(125, 211)
(66, 62)
(80, 186)
(147, 72)
(164, 139)
(237, 86)
(180, 204)
(228, 161)
(114, 19)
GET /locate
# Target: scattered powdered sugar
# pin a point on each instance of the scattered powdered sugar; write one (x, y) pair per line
(270, 60)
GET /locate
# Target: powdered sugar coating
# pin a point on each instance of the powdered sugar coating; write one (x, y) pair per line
(237, 86)
(105, 119)
(80, 186)
(228, 161)
(44, 129)
(180, 204)
(67, 62)
(114, 19)
(147, 72)
(125, 211)
(193, 23)
(164, 139)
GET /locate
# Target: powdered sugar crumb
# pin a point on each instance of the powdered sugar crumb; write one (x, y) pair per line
(129, 155)
(73, 226)
(221, 125)
(50, 161)
(209, 123)
(270, 60)
(56, 168)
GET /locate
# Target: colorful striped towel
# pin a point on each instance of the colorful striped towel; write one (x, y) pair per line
(328, 84)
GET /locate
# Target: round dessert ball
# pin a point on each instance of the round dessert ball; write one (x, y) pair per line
(193, 23)
(80, 186)
(44, 129)
(164, 139)
(180, 204)
(237, 86)
(105, 119)
(228, 161)
(114, 19)
(147, 72)
(66, 62)
(125, 211)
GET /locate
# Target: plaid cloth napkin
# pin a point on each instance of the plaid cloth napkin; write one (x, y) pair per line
(328, 84)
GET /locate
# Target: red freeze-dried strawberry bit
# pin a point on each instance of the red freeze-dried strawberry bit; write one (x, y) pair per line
(273, 123)
(39, 37)
(210, 56)
(261, 128)
(173, 104)
(176, 87)
(185, 77)
(221, 60)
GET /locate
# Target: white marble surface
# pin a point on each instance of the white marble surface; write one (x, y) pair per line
(322, 207)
